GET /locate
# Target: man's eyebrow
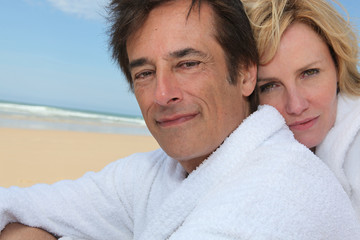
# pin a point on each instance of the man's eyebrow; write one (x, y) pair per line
(186, 52)
(138, 62)
(176, 54)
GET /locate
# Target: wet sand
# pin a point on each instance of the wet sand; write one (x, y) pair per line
(30, 156)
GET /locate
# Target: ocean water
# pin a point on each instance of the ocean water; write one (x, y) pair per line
(44, 117)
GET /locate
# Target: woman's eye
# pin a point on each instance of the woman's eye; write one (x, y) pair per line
(267, 87)
(310, 72)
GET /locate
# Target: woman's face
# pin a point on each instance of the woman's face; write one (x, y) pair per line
(301, 83)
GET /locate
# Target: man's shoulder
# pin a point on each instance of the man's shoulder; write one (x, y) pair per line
(143, 160)
(276, 186)
(155, 155)
(290, 158)
(145, 163)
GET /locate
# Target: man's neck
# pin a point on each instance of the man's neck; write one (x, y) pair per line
(192, 164)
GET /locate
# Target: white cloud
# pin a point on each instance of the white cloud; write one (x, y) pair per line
(89, 9)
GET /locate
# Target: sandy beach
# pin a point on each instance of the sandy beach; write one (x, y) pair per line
(31, 156)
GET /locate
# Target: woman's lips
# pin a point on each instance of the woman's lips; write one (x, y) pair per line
(303, 124)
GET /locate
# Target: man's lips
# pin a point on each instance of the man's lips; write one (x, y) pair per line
(175, 120)
(303, 124)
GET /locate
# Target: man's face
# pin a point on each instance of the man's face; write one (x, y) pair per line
(180, 82)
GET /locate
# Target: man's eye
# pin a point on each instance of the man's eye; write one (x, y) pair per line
(189, 64)
(267, 87)
(310, 72)
(143, 75)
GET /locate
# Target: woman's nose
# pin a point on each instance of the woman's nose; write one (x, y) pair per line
(296, 103)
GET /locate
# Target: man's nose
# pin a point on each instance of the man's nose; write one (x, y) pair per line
(168, 90)
(296, 102)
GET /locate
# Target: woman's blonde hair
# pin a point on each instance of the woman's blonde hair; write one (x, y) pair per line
(270, 18)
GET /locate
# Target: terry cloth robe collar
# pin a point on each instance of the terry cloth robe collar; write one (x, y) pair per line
(246, 138)
(336, 144)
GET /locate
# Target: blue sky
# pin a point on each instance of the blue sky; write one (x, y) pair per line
(55, 52)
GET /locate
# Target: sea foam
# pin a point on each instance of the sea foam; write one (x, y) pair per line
(45, 117)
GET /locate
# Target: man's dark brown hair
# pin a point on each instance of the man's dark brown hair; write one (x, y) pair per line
(233, 32)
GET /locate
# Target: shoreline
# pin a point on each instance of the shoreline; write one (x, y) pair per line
(31, 156)
(15, 115)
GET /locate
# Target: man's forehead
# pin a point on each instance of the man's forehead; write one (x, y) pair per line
(178, 9)
(162, 21)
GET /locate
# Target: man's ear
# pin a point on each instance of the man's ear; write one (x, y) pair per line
(248, 79)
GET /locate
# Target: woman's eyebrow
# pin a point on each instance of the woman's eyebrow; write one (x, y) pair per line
(268, 79)
(307, 66)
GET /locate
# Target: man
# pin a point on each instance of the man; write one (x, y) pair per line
(192, 67)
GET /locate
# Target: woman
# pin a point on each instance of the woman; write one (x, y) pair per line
(308, 72)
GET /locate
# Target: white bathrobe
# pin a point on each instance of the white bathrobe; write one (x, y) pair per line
(260, 184)
(340, 150)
